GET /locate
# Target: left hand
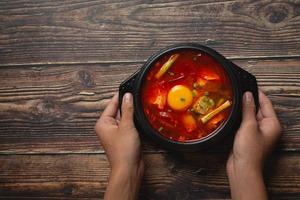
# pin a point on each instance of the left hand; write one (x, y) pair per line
(119, 136)
(122, 145)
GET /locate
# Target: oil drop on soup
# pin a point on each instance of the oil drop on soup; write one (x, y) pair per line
(186, 95)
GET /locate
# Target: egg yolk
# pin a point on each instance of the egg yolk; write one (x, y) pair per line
(180, 97)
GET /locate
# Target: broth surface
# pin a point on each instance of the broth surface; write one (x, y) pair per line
(186, 95)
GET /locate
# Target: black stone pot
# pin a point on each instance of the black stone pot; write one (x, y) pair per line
(241, 81)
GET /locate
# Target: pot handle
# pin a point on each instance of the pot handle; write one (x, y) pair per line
(128, 85)
(248, 83)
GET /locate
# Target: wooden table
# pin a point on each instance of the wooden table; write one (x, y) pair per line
(60, 62)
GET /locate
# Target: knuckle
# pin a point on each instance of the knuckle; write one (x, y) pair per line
(251, 108)
(249, 104)
(129, 107)
(277, 127)
(98, 126)
(127, 125)
(249, 124)
(268, 102)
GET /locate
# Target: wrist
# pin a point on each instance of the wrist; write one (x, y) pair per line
(238, 171)
(241, 176)
(235, 166)
(124, 182)
(135, 171)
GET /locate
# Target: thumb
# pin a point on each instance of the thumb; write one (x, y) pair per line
(127, 110)
(249, 115)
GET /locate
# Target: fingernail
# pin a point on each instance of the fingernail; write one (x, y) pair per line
(248, 96)
(127, 98)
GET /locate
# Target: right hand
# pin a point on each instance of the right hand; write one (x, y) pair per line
(253, 142)
(257, 134)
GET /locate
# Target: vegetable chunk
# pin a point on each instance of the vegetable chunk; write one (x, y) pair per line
(203, 104)
(166, 66)
(189, 122)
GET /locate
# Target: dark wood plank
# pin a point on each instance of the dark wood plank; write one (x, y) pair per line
(53, 109)
(104, 30)
(168, 176)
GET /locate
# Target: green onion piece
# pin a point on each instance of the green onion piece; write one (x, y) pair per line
(213, 113)
(166, 66)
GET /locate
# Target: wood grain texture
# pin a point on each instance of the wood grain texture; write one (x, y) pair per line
(61, 61)
(78, 31)
(168, 176)
(53, 109)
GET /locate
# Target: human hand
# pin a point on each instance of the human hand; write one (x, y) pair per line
(119, 136)
(257, 134)
(121, 143)
(254, 140)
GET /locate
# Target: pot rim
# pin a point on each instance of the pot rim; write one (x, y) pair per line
(143, 122)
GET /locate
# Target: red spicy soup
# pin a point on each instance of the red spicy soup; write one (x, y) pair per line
(186, 95)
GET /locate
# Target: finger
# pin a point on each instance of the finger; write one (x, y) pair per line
(249, 114)
(112, 107)
(266, 106)
(127, 110)
(259, 116)
(118, 117)
(271, 130)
